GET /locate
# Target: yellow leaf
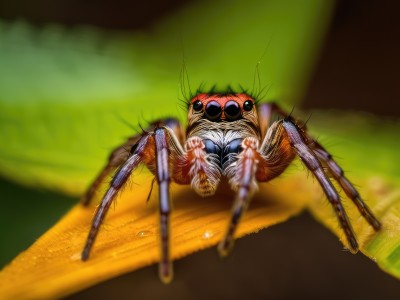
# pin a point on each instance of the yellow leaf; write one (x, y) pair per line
(128, 239)
(383, 198)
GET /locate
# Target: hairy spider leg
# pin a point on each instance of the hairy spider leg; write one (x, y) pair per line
(163, 179)
(157, 141)
(116, 184)
(262, 163)
(116, 158)
(311, 161)
(265, 111)
(120, 154)
(160, 149)
(242, 181)
(338, 174)
(194, 167)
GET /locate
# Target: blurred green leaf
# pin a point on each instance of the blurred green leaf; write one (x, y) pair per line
(367, 149)
(64, 91)
(365, 145)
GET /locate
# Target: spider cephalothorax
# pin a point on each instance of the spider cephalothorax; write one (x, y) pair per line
(228, 137)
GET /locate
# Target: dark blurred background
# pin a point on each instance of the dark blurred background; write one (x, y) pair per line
(356, 70)
(359, 64)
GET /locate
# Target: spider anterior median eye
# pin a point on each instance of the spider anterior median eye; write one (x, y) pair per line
(197, 105)
(248, 105)
(213, 110)
(232, 110)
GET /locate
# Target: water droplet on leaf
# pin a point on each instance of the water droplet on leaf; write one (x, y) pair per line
(208, 234)
(144, 233)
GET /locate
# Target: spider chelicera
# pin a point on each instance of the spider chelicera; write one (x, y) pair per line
(228, 137)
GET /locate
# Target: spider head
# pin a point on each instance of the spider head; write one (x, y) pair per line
(221, 107)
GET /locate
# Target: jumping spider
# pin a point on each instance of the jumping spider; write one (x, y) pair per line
(228, 136)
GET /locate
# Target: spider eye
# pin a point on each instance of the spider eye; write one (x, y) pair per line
(232, 110)
(197, 105)
(213, 110)
(248, 105)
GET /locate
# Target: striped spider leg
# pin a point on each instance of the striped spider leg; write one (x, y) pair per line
(120, 154)
(283, 140)
(158, 148)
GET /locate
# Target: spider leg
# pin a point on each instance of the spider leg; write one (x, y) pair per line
(338, 174)
(265, 112)
(163, 179)
(311, 161)
(242, 176)
(122, 152)
(197, 168)
(151, 189)
(116, 158)
(153, 149)
(116, 183)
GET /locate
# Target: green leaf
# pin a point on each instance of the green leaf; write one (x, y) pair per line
(63, 92)
(366, 147)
